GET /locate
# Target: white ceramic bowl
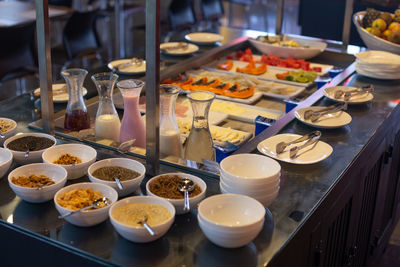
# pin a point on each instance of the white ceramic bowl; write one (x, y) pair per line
(313, 50)
(371, 41)
(86, 153)
(250, 184)
(10, 132)
(46, 193)
(250, 168)
(260, 190)
(231, 220)
(129, 186)
(179, 203)
(6, 158)
(140, 234)
(34, 156)
(88, 217)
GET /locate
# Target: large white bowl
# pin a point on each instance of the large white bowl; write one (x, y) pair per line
(140, 234)
(250, 167)
(179, 203)
(231, 220)
(6, 158)
(264, 200)
(260, 190)
(34, 156)
(10, 132)
(371, 41)
(250, 184)
(86, 153)
(129, 186)
(313, 50)
(88, 217)
(46, 193)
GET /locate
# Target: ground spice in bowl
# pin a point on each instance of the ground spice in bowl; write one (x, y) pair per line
(110, 172)
(67, 159)
(166, 186)
(31, 143)
(33, 181)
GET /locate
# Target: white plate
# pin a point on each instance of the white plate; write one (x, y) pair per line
(313, 50)
(328, 121)
(60, 93)
(308, 155)
(377, 75)
(131, 69)
(330, 92)
(191, 48)
(204, 37)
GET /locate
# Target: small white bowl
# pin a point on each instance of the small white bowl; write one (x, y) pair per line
(88, 217)
(10, 132)
(129, 186)
(34, 156)
(6, 158)
(261, 190)
(248, 184)
(46, 193)
(179, 203)
(265, 200)
(231, 220)
(86, 153)
(250, 168)
(140, 234)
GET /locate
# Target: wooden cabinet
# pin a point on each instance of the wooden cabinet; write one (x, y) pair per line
(352, 225)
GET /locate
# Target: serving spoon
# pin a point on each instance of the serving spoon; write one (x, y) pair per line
(95, 205)
(2, 136)
(145, 225)
(186, 186)
(119, 184)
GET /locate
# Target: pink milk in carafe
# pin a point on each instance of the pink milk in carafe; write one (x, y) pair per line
(132, 125)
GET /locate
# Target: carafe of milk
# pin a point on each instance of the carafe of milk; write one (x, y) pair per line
(132, 126)
(107, 124)
(170, 137)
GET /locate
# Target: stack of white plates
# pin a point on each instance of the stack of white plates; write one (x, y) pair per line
(378, 64)
(252, 175)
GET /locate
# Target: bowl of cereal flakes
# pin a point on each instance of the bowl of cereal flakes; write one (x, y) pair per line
(81, 195)
(8, 128)
(75, 158)
(37, 182)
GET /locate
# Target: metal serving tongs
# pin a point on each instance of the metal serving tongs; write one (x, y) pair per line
(316, 115)
(280, 147)
(181, 45)
(313, 140)
(349, 94)
(133, 62)
(308, 113)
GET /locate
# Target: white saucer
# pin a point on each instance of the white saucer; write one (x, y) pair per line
(328, 121)
(130, 69)
(60, 93)
(204, 37)
(359, 99)
(190, 49)
(308, 155)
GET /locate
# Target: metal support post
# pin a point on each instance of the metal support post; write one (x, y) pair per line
(152, 86)
(119, 29)
(347, 22)
(279, 16)
(43, 42)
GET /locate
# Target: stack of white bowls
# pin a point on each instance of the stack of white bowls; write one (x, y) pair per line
(378, 64)
(252, 175)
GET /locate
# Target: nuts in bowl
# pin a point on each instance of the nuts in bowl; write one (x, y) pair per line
(75, 158)
(8, 127)
(38, 182)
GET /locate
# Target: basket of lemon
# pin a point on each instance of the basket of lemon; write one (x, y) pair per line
(379, 30)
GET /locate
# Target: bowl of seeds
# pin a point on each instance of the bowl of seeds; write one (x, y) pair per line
(38, 182)
(28, 147)
(129, 173)
(8, 128)
(75, 158)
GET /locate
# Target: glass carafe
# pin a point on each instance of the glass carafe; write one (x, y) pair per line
(170, 137)
(76, 115)
(107, 124)
(132, 126)
(199, 144)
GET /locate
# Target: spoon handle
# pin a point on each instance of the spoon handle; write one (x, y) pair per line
(2, 136)
(74, 211)
(148, 228)
(186, 203)
(119, 184)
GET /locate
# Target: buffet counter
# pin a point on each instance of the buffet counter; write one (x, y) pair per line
(327, 212)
